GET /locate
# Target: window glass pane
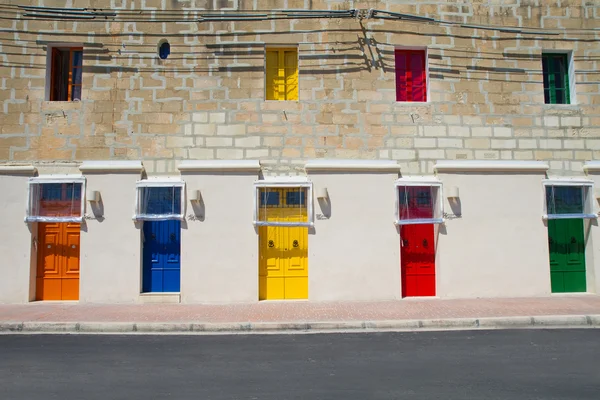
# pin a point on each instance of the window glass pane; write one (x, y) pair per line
(77, 76)
(77, 58)
(164, 50)
(545, 72)
(560, 96)
(55, 199)
(76, 93)
(158, 201)
(416, 202)
(564, 200)
(269, 198)
(295, 197)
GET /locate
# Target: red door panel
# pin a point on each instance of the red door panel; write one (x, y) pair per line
(417, 259)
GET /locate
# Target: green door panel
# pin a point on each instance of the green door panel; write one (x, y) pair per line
(567, 255)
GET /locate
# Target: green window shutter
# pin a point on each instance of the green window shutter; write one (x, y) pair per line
(556, 78)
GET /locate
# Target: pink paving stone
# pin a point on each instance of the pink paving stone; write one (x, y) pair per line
(301, 311)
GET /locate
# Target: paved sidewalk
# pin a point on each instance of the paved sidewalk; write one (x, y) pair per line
(407, 314)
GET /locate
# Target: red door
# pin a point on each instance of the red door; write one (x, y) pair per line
(417, 255)
(417, 242)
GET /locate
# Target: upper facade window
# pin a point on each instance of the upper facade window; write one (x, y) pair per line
(282, 74)
(65, 74)
(556, 78)
(411, 75)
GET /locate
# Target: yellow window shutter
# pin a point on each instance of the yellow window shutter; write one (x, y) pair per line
(291, 74)
(272, 75)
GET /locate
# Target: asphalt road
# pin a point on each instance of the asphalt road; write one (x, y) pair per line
(523, 364)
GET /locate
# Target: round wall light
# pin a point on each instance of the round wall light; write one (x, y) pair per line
(164, 49)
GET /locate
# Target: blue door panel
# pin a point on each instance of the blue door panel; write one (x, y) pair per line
(161, 256)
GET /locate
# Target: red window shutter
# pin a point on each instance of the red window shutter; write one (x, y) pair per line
(411, 77)
(401, 80)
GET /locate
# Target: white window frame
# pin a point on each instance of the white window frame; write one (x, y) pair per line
(584, 184)
(284, 184)
(419, 182)
(150, 183)
(54, 179)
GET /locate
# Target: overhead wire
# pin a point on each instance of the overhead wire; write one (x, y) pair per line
(24, 12)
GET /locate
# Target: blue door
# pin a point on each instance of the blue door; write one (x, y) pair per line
(162, 249)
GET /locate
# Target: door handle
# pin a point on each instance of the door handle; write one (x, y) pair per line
(404, 243)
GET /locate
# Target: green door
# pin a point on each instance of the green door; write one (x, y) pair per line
(567, 255)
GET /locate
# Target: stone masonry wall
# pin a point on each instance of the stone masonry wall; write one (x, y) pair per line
(206, 101)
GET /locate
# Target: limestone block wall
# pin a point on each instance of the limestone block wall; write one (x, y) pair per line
(207, 100)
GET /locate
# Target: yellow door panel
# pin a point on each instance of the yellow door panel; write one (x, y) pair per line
(271, 288)
(296, 288)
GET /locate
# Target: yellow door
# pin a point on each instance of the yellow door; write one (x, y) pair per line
(283, 253)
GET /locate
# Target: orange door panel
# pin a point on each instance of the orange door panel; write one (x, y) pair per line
(48, 282)
(58, 261)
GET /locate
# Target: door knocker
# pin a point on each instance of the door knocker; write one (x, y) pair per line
(425, 243)
(295, 244)
(172, 237)
(271, 244)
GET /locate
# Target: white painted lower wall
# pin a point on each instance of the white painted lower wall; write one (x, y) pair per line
(499, 245)
(16, 265)
(354, 249)
(496, 247)
(110, 270)
(219, 252)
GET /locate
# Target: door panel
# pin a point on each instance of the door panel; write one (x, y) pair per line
(417, 255)
(58, 261)
(566, 245)
(161, 256)
(283, 257)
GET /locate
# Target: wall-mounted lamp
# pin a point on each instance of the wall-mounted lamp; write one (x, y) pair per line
(453, 193)
(194, 195)
(93, 196)
(322, 193)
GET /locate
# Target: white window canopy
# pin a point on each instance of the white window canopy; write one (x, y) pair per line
(283, 203)
(565, 199)
(55, 199)
(418, 202)
(159, 200)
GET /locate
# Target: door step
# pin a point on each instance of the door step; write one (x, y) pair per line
(153, 298)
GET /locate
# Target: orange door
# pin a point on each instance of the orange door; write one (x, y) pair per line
(58, 261)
